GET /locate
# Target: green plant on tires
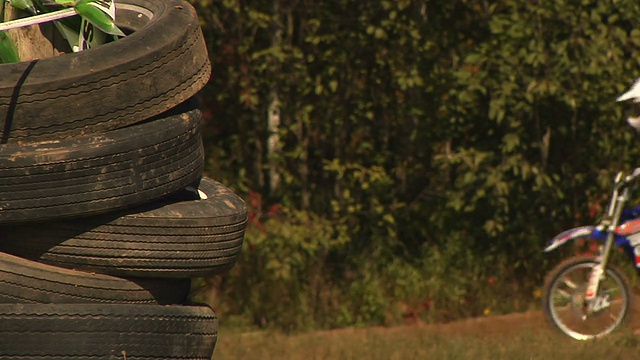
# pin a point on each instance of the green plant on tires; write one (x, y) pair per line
(83, 23)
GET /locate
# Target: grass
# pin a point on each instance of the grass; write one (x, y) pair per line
(515, 336)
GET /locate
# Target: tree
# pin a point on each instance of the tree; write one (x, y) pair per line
(446, 142)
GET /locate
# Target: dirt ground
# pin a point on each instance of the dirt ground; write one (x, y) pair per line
(493, 325)
(489, 325)
(511, 336)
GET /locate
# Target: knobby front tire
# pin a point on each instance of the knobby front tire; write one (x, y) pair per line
(564, 305)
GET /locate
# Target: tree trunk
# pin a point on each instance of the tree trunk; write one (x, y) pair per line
(35, 42)
(274, 147)
(273, 143)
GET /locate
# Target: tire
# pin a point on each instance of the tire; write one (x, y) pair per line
(178, 237)
(25, 281)
(162, 63)
(564, 304)
(100, 173)
(82, 331)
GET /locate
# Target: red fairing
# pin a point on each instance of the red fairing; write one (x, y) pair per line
(629, 228)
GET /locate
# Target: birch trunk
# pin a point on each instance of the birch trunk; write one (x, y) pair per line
(273, 143)
(273, 116)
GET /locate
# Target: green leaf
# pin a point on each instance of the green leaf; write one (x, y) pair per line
(510, 142)
(333, 85)
(8, 50)
(23, 5)
(98, 18)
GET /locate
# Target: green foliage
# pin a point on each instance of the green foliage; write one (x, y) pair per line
(94, 15)
(279, 281)
(98, 18)
(8, 50)
(21, 4)
(441, 144)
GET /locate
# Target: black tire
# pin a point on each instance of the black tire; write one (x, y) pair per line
(46, 331)
(178, 237)
(100, 173)
(25, 281)
(564, 293)
(162, 63)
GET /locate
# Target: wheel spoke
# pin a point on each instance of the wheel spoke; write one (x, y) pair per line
(563, 293)
(570, 284)
(566, 306)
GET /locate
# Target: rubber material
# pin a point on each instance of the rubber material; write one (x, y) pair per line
(179, 237)
(84, 331)
(25, 281)
(100, 173)
(161, 64)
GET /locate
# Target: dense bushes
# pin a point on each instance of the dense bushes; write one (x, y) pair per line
(412, 157)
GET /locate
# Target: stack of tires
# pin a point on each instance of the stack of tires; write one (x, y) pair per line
(105, 215)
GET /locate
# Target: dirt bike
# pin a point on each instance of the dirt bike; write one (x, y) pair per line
(587, 297)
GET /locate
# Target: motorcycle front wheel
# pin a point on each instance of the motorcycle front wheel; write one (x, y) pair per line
(567, 309)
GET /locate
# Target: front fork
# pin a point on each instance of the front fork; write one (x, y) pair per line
(610, 224)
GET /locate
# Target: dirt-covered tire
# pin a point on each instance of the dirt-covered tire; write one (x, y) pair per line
(162, 63)
(193, 233)
(99, 173)
(563, 299)
(85, 331)
(25, 281)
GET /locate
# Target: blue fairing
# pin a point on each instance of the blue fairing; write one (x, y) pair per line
(630, 214)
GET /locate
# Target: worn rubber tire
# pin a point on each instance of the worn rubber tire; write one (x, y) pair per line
(100, 173)
(26, 281)
(162, 63)
(84, 331)
(178, 237)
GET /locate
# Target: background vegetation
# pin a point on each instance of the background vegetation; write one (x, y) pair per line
(410, 158)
